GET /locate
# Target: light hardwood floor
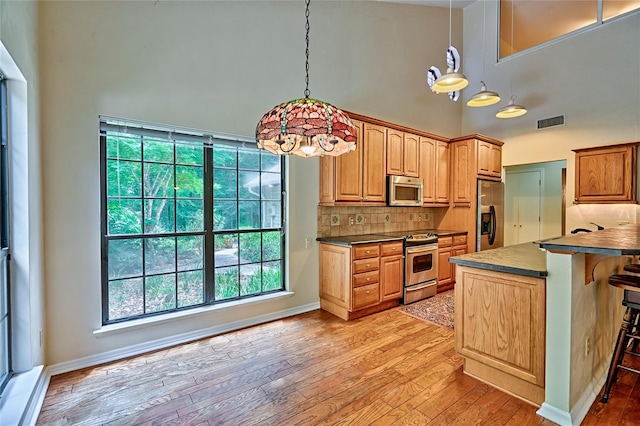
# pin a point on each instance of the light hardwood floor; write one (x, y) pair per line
(311, 369)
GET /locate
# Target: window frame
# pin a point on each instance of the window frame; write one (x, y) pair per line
(208, 142)
(5, 256)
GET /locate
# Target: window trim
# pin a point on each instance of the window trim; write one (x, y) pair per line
(206, 140)
(5, 237)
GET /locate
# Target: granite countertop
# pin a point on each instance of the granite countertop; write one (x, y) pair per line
(349, 240)
(522, 259)
(621, 240)
(383, 236)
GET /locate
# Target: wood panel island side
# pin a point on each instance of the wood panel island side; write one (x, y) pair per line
(541, 324)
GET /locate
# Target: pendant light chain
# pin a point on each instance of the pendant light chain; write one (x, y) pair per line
(450, 5)
(484, 20)
(512, 48)
(306, 79)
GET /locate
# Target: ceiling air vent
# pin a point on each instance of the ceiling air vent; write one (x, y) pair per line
(551, 122)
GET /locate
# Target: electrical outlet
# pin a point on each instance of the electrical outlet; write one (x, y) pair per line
(352, 220)
(587, 346)
(307, 242)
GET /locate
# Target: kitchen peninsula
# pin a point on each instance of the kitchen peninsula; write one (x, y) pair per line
(576, 323)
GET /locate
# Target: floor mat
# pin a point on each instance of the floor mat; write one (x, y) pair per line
(437, 309)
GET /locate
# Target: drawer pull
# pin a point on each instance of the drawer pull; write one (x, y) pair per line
(368, 291)
(368, 264)
(368, 251)
(368, 278)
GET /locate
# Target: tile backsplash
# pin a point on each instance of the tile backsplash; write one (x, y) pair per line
(338, 221)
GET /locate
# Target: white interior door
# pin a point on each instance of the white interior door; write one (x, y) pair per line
(522, 207)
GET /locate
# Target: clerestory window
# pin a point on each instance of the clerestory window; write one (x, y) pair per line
(188, 219)
(537, 22)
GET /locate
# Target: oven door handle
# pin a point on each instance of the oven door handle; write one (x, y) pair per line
(422, 248)
(420, 287)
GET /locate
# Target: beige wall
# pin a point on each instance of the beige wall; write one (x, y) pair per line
(216, 66)
(593, 78)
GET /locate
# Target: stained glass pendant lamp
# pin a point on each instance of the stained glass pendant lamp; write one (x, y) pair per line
(306, 127)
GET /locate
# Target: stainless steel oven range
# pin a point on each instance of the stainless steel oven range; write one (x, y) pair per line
(421, 267)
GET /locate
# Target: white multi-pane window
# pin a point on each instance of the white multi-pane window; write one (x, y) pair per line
(189, 219)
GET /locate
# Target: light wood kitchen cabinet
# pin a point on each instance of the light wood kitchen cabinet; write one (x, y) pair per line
(374, 179)
(434, 171)
(391, 270)
(348, 170)
(402, 153)
(463, 177)
(445, 279)
(500, 329)
(361, 279)
(450, 245)
(360, 175)
(442, 173)
(473, 157)
(464, 183)
(489, 159)
(606, 174)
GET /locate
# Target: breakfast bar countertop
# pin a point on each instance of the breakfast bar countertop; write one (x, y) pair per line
(521, 259)
(619, 241)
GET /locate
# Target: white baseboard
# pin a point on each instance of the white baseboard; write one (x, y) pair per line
(141, 348)
(577, 414)
(556, 415)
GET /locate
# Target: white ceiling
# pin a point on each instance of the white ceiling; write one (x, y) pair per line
(456, 4)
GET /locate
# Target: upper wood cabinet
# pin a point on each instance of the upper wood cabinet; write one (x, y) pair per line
(472, 158)
(374, 179)
(489, 159)
(348, 173)
(443, 160)
(606, 174)
(461, 176)
(359, 175)
(402, 153)
(434, 171)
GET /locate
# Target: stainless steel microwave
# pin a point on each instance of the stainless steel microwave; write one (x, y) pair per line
(404, 191)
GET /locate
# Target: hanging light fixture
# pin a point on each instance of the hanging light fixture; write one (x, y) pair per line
(512, 109)
(484, 97)
(306, 127)
(453, 80)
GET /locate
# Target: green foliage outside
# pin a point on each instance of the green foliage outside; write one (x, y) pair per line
(154, 187)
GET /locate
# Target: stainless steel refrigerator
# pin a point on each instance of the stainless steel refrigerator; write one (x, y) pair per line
(490, 215)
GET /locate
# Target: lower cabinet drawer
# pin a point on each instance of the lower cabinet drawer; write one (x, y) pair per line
(365, 296)
(366, 278)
